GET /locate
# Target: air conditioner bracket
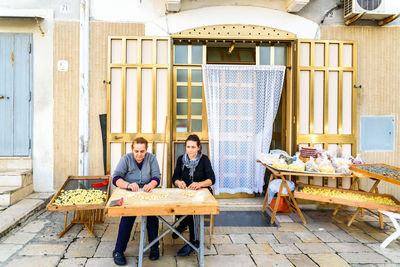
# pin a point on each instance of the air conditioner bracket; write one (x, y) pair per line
(388, 19)
(354, 19)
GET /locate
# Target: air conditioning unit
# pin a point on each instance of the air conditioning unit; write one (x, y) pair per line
(371, 9)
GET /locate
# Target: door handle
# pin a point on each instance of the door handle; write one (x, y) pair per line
(4, 97)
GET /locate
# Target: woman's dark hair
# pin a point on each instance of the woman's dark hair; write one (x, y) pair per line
(139, 140)
(194, 138)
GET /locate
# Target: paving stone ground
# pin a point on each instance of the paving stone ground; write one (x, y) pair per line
(325, 240)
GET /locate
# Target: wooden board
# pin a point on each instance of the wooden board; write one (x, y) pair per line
(346, 202)
(365, 173)
(51, 207)
(176, 202)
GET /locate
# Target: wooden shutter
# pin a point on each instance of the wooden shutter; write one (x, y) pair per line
(138, 96)
(326, 101)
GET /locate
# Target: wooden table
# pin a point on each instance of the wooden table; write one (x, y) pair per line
(283, 174)
(88, 214)
(167, 201)
(359, 174)
(364, 203)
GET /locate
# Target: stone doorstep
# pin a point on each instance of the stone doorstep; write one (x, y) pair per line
(20, 211)
(15, 163)
(19, 178)
(10, 195)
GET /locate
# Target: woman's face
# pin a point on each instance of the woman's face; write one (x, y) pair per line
(192, 149)
(139, 151)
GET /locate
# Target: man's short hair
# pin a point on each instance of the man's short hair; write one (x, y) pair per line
(139, 140)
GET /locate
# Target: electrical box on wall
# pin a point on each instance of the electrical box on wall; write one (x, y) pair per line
(377, 133)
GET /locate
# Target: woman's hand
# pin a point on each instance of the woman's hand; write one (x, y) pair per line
(150, 186)
(180, 184)
(194, 186)
(134, 187)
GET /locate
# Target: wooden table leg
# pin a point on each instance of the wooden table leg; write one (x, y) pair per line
(294, 201)
(66, 228)
(277, 203)
(354, 217)
(271, 177)
(374, 187)
(87, 217)
(66, 219)
(290, 205)
(90, 223)
(380, 219)
(359, 186)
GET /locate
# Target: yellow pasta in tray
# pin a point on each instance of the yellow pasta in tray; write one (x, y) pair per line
(348, 195)
(80, 197)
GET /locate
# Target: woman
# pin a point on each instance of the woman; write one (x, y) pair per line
(136, 170)
(193, 170)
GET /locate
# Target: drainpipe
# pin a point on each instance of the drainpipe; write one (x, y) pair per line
(84, 88)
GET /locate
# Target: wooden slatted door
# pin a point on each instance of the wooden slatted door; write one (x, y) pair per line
(15, 94)
(138, 97)
(326, 102)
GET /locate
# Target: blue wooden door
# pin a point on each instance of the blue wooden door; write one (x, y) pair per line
(15, 94)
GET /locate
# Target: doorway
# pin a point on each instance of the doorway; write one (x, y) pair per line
(188, 103)
(15, 94)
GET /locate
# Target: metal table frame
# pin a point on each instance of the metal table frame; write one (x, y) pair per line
(143, 248)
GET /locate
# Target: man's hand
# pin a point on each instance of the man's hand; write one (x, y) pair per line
(180, 184)
(194, 186)
(150, 186)
(134, 187)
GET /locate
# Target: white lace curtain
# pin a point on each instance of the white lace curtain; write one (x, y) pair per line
(242, 102)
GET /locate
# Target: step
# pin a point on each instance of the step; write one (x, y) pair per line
(15, 163)
(19, 178)
(28, 207)
(11, 194)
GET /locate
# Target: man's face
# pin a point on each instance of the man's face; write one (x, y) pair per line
(139, 151)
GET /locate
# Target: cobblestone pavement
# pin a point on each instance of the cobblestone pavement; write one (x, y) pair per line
(324, 241)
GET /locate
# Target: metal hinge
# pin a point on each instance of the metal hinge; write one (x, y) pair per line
(30, 48)
(30, 96)
(294, 47)
(294, 119)
(30, 143)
